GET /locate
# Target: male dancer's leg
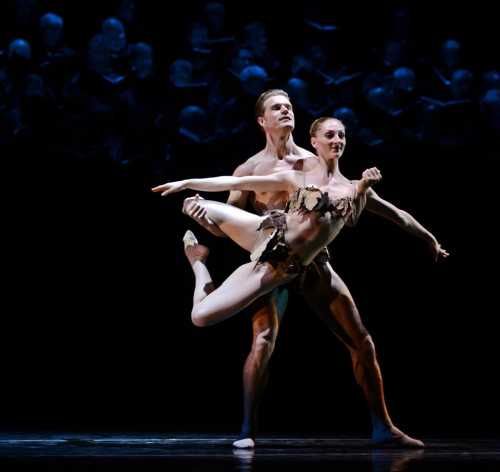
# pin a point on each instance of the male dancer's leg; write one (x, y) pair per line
(266, 320)
(330, 298)
(268, 311)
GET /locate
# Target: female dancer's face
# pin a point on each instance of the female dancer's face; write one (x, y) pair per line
(329, 140)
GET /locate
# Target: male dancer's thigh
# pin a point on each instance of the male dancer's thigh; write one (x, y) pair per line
(269, 309)
(328, 296)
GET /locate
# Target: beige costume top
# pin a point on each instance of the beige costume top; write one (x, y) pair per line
(344, 210)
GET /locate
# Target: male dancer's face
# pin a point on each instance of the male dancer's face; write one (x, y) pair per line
(278, 113)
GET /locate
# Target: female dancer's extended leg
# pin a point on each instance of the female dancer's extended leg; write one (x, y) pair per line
(239, 225)
(247, 283)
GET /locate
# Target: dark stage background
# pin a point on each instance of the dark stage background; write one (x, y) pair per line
(95, 323)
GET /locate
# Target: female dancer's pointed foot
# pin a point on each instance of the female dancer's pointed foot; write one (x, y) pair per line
(395, 438)
(244, 443)
(193, 250)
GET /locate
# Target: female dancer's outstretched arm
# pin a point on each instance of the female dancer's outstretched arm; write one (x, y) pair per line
(281, 181)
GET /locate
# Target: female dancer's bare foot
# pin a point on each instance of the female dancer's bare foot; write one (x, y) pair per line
(194, 251)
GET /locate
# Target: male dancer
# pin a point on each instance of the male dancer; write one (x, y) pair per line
(322, 288)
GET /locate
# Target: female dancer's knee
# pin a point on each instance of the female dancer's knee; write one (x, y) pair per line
(200, 316)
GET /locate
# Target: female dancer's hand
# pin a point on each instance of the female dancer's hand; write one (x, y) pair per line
(438, 251)
(370, 176)
(170, 187)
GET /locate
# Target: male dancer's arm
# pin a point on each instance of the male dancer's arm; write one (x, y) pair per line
(403, 219)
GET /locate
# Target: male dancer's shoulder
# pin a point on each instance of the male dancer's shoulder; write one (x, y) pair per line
(248, 167)
(306, 154)
(309, 159)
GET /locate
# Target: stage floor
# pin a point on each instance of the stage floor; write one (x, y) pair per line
(210, 452)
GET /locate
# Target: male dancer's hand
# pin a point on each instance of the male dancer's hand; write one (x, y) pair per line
(195, 210)
(192, 208)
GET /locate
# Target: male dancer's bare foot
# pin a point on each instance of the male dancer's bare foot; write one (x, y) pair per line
(244, 443)
(395, 438)
(193, 250)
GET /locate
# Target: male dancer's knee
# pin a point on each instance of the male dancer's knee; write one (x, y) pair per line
(263, 345)
(343, 301)
(364, 351)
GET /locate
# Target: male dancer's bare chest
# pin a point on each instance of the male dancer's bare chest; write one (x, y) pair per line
(266, 201)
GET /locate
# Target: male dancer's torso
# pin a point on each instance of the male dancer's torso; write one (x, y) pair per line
(264, 163)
